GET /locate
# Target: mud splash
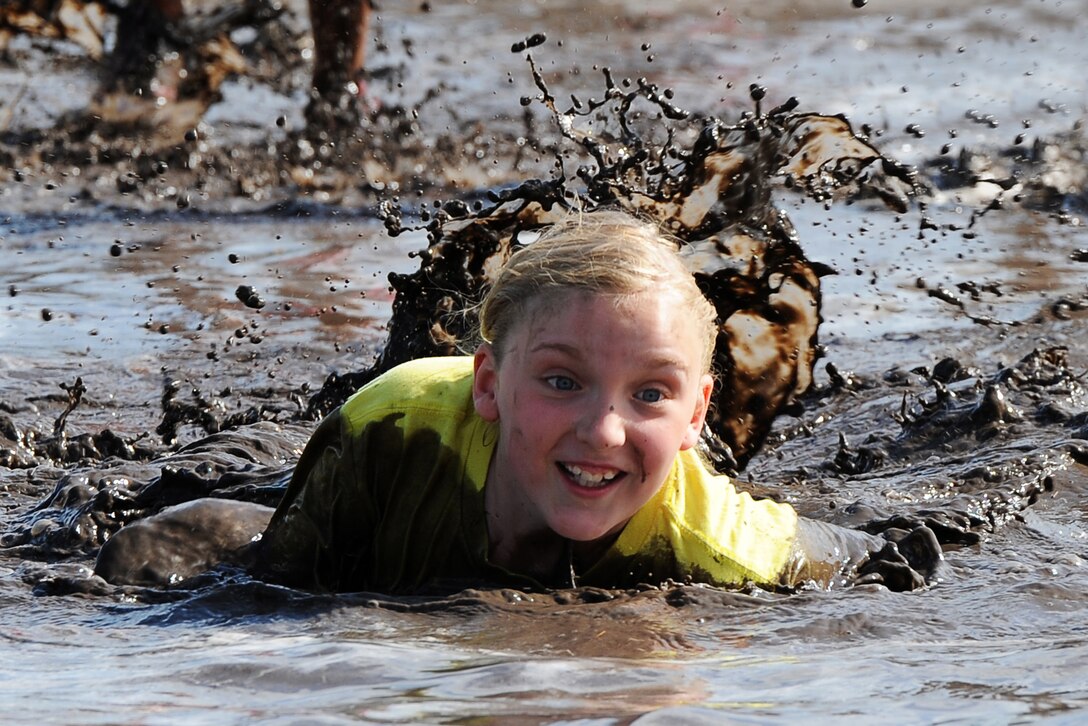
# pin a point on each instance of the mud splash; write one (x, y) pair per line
(1001, 438)
(710, 184)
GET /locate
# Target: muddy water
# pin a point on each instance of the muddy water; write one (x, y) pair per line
(141, 295)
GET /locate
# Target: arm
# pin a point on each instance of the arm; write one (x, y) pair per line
(832, 555)
(317, 536)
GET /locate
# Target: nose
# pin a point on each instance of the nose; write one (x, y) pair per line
(602, 427)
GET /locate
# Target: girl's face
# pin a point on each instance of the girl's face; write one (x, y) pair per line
(594, 399)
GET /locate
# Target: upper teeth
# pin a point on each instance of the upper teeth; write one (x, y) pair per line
(587, 479)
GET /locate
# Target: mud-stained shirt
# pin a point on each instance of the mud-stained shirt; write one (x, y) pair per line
(389, 497)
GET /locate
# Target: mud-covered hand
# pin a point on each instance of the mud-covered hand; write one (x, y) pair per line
(951, 526)
(909, 560)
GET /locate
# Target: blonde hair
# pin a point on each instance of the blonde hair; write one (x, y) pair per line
(604, 252)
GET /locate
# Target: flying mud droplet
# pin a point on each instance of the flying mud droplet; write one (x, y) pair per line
(249, 297)
(531, 42)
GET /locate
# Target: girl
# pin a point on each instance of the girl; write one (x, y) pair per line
(561, 454)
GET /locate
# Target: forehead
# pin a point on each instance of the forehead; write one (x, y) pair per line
(602, 324)
(548, 303)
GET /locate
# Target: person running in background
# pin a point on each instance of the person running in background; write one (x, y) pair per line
(339, 30)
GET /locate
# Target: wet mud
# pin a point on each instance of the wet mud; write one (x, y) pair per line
(976, 427)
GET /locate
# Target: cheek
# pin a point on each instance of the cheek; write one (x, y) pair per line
(534, 420)
(523, 402)
(658, 445)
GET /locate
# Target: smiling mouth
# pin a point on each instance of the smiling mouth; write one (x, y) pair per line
(591, 480)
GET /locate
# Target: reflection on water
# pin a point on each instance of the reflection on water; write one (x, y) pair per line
(116, 288)
(135, 298)
(359, 663)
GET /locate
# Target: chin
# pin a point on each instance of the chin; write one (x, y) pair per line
(584, 532)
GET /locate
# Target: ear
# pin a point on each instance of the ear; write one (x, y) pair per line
(702, 403)
(485, 383)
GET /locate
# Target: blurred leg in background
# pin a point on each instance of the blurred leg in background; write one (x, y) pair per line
(141, 28)
(340, 31)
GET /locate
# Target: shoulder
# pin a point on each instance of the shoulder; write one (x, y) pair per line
(720, 525)
(425, 387)
(422, 378)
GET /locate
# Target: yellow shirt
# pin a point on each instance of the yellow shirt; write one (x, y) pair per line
(388, 497)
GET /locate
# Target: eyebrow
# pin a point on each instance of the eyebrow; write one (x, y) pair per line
(570, 350)
(663, 361)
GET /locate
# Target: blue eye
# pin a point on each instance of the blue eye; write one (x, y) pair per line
(561, 383)
(650, 395)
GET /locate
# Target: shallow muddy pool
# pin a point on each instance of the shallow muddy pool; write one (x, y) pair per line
(140, 297)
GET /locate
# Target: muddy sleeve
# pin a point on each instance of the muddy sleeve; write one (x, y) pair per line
(319, 536)
(830, 555)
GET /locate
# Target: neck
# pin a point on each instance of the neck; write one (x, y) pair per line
(519, 543)
(519, 539)
(542, 555)
(585, 554)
